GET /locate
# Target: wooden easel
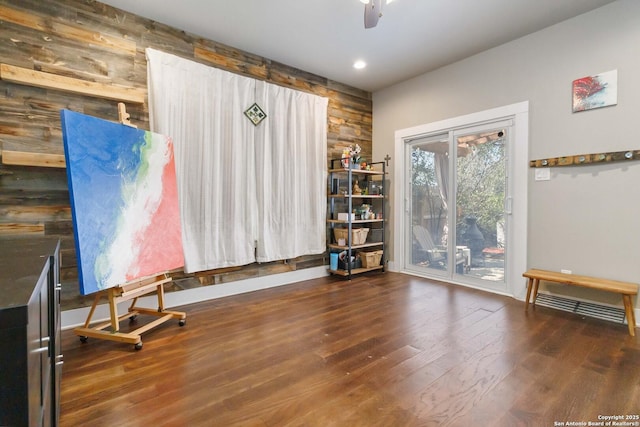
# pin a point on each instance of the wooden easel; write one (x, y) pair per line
(126, 292)
(124, 118)
(130, 291)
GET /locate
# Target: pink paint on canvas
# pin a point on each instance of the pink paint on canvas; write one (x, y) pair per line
(153, 245)
(595, 91)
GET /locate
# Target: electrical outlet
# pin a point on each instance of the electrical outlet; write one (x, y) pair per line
(543, 174)
(565, 271)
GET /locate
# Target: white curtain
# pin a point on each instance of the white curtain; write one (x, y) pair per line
(243, 189)
(291, 158)
(201, 109)
(441, 163)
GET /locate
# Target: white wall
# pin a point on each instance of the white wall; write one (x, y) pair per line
(586, 218)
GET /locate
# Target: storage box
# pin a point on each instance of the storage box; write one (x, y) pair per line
(344, 216)
(375, 235)
(358, 235)
(374, 188)
(344, 265)
(333, 261)
(371, 259)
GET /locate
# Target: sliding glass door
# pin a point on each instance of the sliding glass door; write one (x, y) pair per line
(458, 205)
(429, 204)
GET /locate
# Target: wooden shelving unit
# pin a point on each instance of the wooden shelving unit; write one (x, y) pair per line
(342, 200)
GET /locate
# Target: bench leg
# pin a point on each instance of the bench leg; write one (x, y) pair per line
(536, 283)
(529, 286)
(631, 317)
(532, 285)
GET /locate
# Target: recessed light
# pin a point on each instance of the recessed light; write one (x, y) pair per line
(359, 65)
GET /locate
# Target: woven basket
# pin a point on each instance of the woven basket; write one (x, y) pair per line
(358, 235)
(371, 259)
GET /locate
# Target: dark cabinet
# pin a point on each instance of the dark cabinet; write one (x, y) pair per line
(31, 357)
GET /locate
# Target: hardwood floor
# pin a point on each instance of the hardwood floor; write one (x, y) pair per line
(382, 350)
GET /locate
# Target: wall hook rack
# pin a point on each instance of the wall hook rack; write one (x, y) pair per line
(586, 159)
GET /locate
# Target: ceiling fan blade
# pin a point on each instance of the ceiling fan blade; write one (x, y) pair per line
(372, 12)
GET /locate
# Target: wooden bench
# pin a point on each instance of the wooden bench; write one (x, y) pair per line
(626, 289)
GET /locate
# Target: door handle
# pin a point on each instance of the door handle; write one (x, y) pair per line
(508, 205)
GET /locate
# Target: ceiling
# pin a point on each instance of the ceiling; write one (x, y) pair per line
(325, 37)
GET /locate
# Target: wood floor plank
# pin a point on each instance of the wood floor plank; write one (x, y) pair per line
(383, 349)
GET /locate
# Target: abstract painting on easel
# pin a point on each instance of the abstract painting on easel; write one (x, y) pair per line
(595, 91)
(124, 201)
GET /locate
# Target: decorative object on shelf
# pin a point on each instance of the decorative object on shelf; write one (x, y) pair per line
(351, 157)
(595, 91)
(364, 211)
(255, 114)
(356, 188)
(358, 235)
(345, 158)
(373, 188)
(587, 159)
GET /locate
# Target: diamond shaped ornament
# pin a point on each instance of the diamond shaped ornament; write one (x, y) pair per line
(255, 114)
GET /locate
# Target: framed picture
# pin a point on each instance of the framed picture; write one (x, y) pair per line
(595, 91)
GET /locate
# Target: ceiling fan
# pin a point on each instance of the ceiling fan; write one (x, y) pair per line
(372, 12)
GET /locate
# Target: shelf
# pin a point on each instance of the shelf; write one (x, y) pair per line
(44, 80)
(356, 196)
(355, 221)
(358, 171)
(353, 247)
(22, 158)
(355, 270)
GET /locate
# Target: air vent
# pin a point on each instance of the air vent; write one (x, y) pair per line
(611, 314)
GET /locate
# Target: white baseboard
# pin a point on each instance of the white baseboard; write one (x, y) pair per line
(78, 316)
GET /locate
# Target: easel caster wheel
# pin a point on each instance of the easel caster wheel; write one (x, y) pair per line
(182, 322)
(138, 345)
(83, 338)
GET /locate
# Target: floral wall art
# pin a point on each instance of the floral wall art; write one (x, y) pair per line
(596, 91)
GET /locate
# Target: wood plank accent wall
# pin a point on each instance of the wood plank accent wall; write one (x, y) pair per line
(85, 40)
